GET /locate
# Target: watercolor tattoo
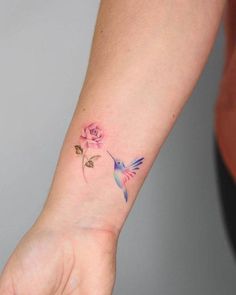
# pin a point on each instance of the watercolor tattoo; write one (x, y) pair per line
(123, 173)
(92, 138)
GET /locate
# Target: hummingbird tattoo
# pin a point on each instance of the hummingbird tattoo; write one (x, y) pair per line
(123, 173)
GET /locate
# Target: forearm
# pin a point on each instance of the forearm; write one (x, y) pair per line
(145, 60)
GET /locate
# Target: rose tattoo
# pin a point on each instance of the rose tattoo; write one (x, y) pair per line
(91, 138)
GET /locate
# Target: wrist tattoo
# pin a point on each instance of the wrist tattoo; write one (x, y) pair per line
(92, 137)
(123, 173)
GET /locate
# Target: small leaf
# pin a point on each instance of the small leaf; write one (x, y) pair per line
(78, 150)
(94, 158)
(89, 164)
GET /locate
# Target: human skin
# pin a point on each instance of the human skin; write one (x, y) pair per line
(146, 58)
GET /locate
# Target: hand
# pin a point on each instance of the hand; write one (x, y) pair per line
(68, 261)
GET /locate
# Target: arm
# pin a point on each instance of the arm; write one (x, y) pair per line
(145, 60)
(144, 63)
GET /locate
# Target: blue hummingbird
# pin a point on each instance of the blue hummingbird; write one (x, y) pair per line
(123, 173)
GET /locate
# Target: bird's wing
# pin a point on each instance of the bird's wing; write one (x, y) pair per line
(131, 169)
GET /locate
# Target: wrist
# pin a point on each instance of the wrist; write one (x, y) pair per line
(87, 193)
(70, 213)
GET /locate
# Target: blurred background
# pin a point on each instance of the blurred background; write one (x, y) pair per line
(174, 242)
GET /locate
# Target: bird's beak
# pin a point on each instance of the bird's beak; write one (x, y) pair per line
(111, 155)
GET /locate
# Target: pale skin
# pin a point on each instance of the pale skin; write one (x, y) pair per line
(145, 61)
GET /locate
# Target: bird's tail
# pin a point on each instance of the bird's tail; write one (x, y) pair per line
(125, 194)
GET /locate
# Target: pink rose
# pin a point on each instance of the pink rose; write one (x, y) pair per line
(91, 136)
